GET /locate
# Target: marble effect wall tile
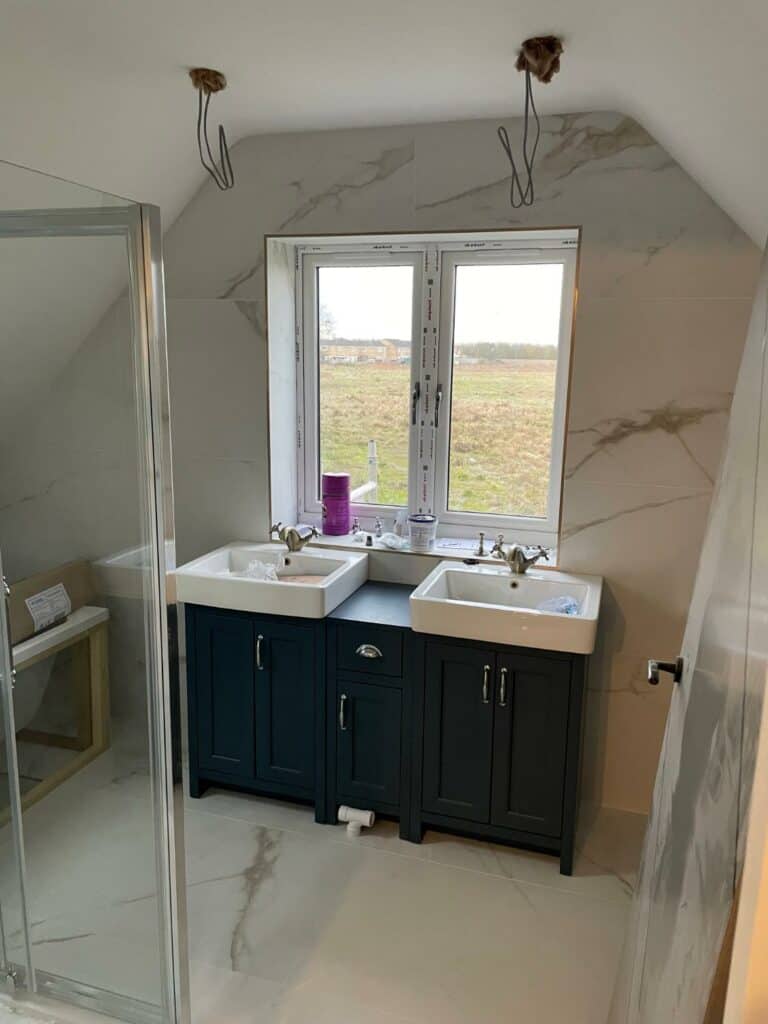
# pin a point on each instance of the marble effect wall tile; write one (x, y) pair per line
(310, 183)
(691, 857)
(665, 279)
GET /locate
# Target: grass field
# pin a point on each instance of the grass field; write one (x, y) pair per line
(500, 432)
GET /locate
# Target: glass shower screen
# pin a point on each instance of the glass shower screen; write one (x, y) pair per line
(88, 889)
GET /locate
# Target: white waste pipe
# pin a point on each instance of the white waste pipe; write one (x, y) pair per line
(355, 819)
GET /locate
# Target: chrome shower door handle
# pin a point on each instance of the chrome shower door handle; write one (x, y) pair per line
(343, 712)
(5, 597)
(486, 684)
(259, 662)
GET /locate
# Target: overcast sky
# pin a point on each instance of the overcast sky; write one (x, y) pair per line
(493, 303)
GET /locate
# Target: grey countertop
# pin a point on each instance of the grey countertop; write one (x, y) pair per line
(384, 604)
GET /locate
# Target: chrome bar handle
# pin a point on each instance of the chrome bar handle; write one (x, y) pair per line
(259, 662)
(486, 684)
(343, 712)
(503, 688)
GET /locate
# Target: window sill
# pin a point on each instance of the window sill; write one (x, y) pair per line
(445, 549)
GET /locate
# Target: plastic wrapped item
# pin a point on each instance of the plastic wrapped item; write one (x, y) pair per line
(564, 605)
(391, 540)
(259, 571)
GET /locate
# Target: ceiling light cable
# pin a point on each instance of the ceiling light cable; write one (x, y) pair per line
(538, 56)
(519, 196)
(208, 81)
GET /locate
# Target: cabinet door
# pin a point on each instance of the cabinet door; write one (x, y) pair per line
(458, 731)
(529, 749)
(368, 747)
(224, 671)
(285, 694)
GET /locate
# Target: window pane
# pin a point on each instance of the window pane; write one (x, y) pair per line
(506, 329)
(365, 318)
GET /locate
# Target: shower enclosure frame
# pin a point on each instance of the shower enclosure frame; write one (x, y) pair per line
(140, 226)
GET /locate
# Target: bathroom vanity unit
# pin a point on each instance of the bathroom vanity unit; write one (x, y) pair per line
(458, 734)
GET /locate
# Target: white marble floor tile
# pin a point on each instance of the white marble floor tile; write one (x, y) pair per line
(293, 923)
(594, 873)
(322, 924)
(44, 1011)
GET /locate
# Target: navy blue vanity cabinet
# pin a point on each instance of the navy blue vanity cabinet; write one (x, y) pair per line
(468, 737)
(501, 731)
(370, 684)
(256, 715)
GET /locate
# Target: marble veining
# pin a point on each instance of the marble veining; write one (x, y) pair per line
(260, 869)
(570, 531)
(253, 313)
(671, 419)
(373, 171)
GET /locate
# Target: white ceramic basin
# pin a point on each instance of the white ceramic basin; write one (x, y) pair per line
(219, 579)
(487, 603)
(124, 574)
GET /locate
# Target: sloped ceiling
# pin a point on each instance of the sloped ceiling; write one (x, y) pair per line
(96, 90)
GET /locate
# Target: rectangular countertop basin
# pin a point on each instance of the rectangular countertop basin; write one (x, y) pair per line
(310, 583)
(482, 602)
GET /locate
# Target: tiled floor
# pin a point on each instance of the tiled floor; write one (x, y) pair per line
(295, 923)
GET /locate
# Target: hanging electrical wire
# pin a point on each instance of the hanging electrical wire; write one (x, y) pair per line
(207, 81)
(538, 57)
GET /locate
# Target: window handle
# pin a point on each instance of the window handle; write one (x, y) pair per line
(438, 400)
(415, 396)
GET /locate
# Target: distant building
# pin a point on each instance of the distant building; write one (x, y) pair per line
(361, 350)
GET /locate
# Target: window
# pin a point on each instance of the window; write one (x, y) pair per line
(435, 372)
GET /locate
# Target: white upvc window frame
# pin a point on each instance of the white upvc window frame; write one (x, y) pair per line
(516, 525)
(434, 257)
(308, 355)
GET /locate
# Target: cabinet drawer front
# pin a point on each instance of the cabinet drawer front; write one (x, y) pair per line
(369, 649)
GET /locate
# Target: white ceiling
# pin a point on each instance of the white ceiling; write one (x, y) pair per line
(96, 90)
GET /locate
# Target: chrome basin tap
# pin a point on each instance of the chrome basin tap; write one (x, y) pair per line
(294, 537)
(516, 556)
